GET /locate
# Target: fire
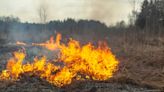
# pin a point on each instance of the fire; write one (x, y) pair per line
(96, 63)
(21, 43)
(51, 44)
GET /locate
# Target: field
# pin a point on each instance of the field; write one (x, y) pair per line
(141, 58)
(141, 67)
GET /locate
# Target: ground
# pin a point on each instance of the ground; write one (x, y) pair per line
(141, 69)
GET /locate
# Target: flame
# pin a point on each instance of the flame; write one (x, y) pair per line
(50, 44)
(96, 63)
(21, 43)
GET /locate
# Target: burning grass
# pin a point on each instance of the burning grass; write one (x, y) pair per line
(88, 61)
(140, 64)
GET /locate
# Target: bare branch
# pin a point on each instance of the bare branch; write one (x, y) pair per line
(43, 13)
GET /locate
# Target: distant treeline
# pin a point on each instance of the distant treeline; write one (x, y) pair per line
(151, 16)
(149, 20)
(11, 27)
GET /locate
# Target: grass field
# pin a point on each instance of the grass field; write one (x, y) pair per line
(141, 68)
(141, 59)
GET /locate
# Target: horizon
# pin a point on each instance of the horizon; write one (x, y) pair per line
(109, 13)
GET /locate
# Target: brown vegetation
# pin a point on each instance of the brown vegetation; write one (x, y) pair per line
(141, 57)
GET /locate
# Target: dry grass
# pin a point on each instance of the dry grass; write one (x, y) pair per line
(141, 60)
(141, 63)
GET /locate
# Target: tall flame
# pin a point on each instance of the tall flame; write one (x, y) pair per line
(50, 44)
(93, 63)
(21, 43)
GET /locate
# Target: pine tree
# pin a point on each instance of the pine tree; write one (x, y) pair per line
(141, 20)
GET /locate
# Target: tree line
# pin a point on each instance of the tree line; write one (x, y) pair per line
(151, 17)
(12, 25)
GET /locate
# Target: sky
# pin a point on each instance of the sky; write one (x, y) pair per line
(107, 11)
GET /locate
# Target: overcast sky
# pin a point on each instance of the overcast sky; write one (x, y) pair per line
(108, 11)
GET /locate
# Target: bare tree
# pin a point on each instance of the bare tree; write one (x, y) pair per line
(133, 4)
(43, 14)
(133, 15)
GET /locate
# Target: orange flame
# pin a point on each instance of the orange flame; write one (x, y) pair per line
(94, 63)
(51, 44)
(21, 43)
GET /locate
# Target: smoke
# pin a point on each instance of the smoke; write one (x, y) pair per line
(108, 11)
